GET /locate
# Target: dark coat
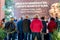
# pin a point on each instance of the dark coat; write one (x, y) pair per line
(11, 26)
(44, 27)
(26, 25)
(20, 25)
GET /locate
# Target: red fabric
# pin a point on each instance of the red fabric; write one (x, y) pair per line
(51, 26)
(36, 25)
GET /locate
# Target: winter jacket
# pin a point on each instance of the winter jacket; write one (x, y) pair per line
(20, 25)
(10, 26)
(36, 25)
(26, 25)
(52, 26)
(44, 27)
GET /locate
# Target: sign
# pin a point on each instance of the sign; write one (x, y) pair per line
(32, 7)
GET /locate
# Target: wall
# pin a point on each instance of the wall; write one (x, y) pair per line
(2, 2)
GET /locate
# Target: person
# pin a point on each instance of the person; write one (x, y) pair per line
(52, 26)
(36, 27)
(3, 22)
(44, 25)
(3, 26)
(20, 29)
(26, 28)
(2, 31)
(58, 23)
(10, 28)
(44, 31)
(16, 34)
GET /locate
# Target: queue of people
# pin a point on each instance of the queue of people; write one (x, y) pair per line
(26, 29)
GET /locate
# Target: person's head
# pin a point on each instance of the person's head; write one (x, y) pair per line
(12, 19)
(52, 19)
(42, 18)
(26, 16)
(3, 20)
(15, 19)
(36, 16)
(56, 17)
(21, 18)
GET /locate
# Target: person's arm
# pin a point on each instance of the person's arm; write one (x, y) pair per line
(56, 26)
(41, 25)
(3, 25)
(15, 29)
(18, 27)
(31, 26)
(46, 28)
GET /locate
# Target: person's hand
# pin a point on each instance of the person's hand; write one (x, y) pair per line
(41, 32)
(9, 32)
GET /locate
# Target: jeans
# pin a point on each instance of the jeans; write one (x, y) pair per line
(26, 36)
(15, 34)
(20, 36)
(46, 37)
(50, 37)
(11, 36)
(38, 35)
(5, 37)
(30, 36)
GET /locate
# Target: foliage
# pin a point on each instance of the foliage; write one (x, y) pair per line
(2, 33)
(56, 35)
(8, 8)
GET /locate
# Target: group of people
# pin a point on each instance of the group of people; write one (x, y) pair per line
(27, 29)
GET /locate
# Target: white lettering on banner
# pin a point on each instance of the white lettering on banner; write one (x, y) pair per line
(31, 7)
(31, 4)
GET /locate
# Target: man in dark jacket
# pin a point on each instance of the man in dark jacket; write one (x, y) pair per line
(44, 27)
(10, 28)
(19, 28)
(26, 28)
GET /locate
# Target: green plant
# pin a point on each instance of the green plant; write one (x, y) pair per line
(2, 33)
(56, 35)
(8, 9)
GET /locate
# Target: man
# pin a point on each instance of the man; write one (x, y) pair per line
(44, 31)
(44, 25)
(10, 27)
(26, 28)
(20, 29)
(15, 21)
(36, 28)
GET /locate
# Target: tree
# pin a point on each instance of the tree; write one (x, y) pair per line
(8, 8)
